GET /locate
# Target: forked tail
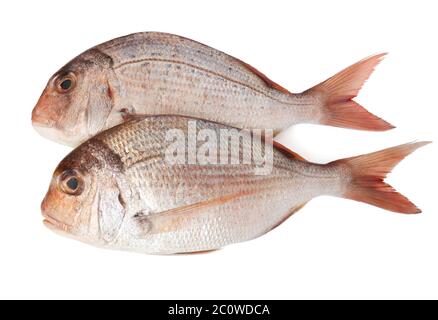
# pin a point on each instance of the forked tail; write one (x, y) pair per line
(337, 92)
(367, 172)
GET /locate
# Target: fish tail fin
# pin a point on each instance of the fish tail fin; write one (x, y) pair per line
(366, 174)
(337, 92)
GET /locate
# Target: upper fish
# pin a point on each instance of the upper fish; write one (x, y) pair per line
(158, 73)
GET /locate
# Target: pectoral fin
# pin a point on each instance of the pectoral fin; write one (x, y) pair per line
(178, 218)
(127, 116)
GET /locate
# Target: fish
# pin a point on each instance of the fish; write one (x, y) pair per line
(121, 190)
(154, 73)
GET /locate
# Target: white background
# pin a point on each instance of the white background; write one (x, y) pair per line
(333, 248)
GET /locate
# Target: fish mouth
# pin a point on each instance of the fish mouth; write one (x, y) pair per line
(49, 132)
(55, 225)
(40, 118)
(65, 230)
(47, 129)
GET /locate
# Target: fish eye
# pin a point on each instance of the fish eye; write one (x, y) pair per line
(65, 82)
(71, 182)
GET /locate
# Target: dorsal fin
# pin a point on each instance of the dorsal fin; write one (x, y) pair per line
(264, 78)
(288, 151)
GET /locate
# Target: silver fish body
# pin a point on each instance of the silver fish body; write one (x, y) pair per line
(163, 73)
(154, 73)
(118, 190)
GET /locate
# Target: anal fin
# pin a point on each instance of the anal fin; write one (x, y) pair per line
(285, 217)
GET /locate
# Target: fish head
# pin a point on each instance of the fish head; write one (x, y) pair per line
(84, 199)
(77, 99)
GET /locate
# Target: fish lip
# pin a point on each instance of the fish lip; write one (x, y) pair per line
(50, 132)
(41, 125)
(54, 224)
(49, 224)
(64, 230)
(40, 120)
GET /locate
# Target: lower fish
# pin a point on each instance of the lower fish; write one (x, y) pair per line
(146, 186)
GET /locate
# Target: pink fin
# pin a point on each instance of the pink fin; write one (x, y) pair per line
(263, 77)
(178, 218)
(368, 172)
(287, 216)
(338, 91)
(288, 151)
(133, 117)
(197, 252)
